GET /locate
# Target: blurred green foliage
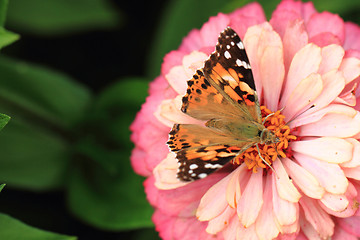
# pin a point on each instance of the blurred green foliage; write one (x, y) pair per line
(64, 137)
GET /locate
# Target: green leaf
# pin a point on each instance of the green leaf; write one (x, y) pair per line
(7, 37)
(2, 186)
(103, 189)
(4, 119)
(13, 229)
(33, 91)
(109, 202)
(32, 157)
(3, 10)
(61, 16)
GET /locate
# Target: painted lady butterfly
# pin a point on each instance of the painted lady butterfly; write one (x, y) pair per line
(222, 94)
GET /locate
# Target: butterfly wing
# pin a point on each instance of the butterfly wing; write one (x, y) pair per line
(201, 150)
(228, 70)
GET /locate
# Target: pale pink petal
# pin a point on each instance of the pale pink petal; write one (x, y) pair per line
(317, 217)
(233, 189)
(332, 56)
(335, 202)
(307, 118)
(333, 124)
(305, 62)
(326, 22)
(308, 230)
(231, 230)
(285, 188)
(218, 223)
(352, 33)
(248, 233)
(193, 61)
(355, 161)
(294, 228)
(284, 211)
(303, 95)
(165, 173)
(304, 179)
(294, 39)
(272, 70)
(251, 200)
(337, 184)
(169, 113)
(350, 68)
(177, 79)
(328, 149)
(213, 203)
(347, 96)
(333, 84)
(265, 225)
(341, 205)
(210, 30)
(351, 225)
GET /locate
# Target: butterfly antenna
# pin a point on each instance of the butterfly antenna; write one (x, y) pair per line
(312, 106)
(267, 164)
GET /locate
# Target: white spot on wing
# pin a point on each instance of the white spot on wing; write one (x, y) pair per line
(227, 54)
(228, 46)
(193, 166)
(243, 64)
(212, 166)
(202, 175)
(232, 44)
(240, 45)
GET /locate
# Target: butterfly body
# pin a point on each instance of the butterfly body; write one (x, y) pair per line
(223, 95)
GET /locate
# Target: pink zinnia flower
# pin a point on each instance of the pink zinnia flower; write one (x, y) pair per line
(299, 58)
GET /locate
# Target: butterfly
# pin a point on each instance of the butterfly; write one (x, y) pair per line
(223, 95)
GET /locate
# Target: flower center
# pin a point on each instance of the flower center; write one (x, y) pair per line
(269, 153)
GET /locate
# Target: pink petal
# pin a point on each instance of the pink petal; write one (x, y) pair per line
(231, 230)
(250, 203)
(328, 149)
(285, 188)
(169, 113)
(325, 39)
(341, 234)
(251, 10)
(326, 22)
(294, 39)
(352, 33)
(305, 62)
(191, 42)
(333, 124)
(172, 59)
(337, 184)
(304, 179)
(285, 13)
(353, 172)
(336, 205)
(210, 30)
(284, 211)
(220, 222)
(308, 230)
(271, 66)
(332, 56)
(265, 224)
(355, 161)
(350, 68)
(303, 95)
(233, 189)
(317, 217)
(165, 173)
(213, 203)
(351, 225)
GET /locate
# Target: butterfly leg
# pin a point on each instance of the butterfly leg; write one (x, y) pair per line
(257, 146)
